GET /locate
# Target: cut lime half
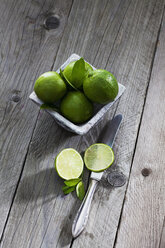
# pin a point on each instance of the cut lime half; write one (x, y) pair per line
(98, 157)
(69, 164)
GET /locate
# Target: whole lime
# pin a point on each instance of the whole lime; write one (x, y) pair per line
(68, 74)
(76, 107)
(100, 86)
(50, 87)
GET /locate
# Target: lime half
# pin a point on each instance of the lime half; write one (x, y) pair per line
(98, 157)
(69, 164)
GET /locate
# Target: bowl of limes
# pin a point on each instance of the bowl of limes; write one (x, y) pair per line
(77, 95)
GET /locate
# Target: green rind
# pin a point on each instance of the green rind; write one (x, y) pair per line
(101, 86)
(76, 107)
(80, 190)
(50, 87)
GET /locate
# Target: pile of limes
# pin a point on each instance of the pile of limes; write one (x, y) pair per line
(76, 87)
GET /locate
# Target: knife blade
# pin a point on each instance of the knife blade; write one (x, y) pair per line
(107, 136)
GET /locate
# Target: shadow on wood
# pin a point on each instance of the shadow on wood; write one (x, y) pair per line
(40, 186)
(65, 236)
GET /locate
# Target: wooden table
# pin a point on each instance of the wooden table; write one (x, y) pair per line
(125, 37)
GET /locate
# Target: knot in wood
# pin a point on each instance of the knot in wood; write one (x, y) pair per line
(116, 179)
(15, 98)
(52, 22)
(145, 172)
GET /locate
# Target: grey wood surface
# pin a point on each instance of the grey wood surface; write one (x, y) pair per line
(162, 237)
(120, 36)
(142, 222)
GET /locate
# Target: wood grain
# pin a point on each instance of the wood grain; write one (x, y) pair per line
(142, 222)
(27, 50)
(117, 35)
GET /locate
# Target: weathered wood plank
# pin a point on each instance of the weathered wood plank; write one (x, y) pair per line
(27, 50)
(142, 222)
(41, 216)
(89, 31)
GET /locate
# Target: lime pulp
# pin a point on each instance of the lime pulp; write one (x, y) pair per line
(98, 157)
(69, 164)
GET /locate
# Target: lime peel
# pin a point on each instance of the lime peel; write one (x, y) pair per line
(101, 86)
(80, 190)
(76, 107)
(50, 87)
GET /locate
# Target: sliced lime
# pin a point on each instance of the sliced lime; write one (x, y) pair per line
(80, 190)
(98, 157)
(69, 164)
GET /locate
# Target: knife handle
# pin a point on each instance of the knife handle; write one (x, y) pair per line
(81, 217)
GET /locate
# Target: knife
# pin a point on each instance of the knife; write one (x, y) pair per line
(107, 136)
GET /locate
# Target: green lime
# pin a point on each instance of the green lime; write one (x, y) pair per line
(68, 74)
(80, 190)
(69, 164)
(50, 87)
(98, 157)
(100, 86)
(76, 107)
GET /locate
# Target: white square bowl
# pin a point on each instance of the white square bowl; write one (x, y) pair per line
(99, 110)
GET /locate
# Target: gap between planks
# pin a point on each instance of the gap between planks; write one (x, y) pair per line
(162, 238)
